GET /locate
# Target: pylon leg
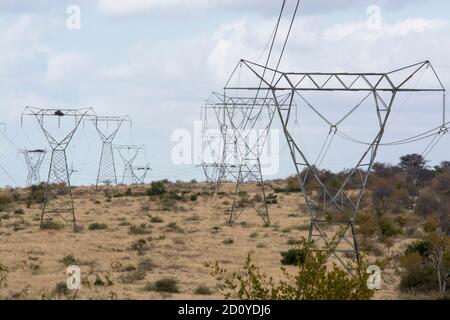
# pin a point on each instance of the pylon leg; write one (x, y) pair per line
(58, 200)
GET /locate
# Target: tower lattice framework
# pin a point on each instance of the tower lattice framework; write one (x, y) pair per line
(333, 206)
(33, 160)
(107, 168)
(128, 154)
(58, 200)
(244, 123)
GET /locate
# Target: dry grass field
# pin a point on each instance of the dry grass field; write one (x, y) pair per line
(127, 243)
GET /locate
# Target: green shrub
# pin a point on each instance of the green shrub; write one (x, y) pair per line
(293, 257)
(417, 276)
(98, 226)
(388, 227)
(70, 260)
(156, 219)
(163, 285)
(157, 188)
(421, 247)
(193, 197)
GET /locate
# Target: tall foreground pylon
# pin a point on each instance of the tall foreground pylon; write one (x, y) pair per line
(58, 200)
(347, 100)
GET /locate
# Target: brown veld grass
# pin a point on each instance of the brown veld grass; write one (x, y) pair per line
(141, 247)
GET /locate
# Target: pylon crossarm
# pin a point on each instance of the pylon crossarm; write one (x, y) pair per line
(339, 81)
(102, 123)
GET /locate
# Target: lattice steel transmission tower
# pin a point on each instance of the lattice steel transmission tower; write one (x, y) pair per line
(107, 168)
(140, 173)
(128, 154)
(333, 205)
(245, 125)
(58, 200)
(33, 159)
(219, 158)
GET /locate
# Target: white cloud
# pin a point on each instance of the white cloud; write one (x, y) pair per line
(67, 66)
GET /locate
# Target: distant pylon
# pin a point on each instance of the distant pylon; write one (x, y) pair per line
(107, 168)
(140, 173)
(33, 159)
(132, 151)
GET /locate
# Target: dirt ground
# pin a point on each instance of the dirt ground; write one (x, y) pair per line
(201, 236)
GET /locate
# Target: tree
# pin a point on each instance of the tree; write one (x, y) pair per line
(440, 257)
(413, 165)
(384, 170)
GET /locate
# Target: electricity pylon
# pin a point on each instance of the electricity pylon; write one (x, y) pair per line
(333, 205)
(33, 159)
(140, 173)
(128, 158)
(244, 123)
(58, 200)
(107, 168)
(219, 158)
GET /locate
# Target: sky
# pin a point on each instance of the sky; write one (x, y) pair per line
(158, 61)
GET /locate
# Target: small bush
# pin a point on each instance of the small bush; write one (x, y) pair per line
(173, 227)
(70, 260)
(146, 265)
(193, 197)
(138, 230)
(51, 225)
(427, 204)
(19, 211)
(98, 226)
(422, 247)
(132, 276)
(140, 246)
(202, 290)
(417, 276)
(294, 242)
(294, 256)
(156, 219)
(157, 188)
(164, 285)
(61, 289)
(228, 241)
(388, 227)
